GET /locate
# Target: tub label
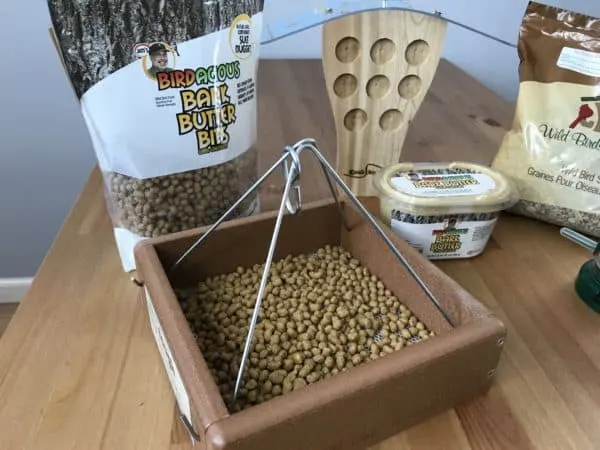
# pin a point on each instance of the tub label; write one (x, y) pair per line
(181, 395)
(442, 183)
(450, 238)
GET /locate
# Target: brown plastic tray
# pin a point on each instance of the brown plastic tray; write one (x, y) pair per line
(354, 409)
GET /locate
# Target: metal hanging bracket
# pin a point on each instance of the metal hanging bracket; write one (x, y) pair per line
(290, 163)
(303, 20)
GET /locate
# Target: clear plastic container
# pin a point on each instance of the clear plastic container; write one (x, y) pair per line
(444, 210)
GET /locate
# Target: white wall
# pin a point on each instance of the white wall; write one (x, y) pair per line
(44, 140)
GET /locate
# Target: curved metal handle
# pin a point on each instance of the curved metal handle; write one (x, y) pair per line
(290, 161)
(306, 20)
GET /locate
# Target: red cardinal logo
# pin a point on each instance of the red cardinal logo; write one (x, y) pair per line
(585, 112)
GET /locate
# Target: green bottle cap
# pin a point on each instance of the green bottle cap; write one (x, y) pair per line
(587, 284)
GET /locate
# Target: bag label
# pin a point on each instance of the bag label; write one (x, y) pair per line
(442, 183)
(178, 106)
(451, 238)
(554, 156)
(582, 61)
(177, 386)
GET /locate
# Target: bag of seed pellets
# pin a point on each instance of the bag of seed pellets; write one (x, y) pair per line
(168, 92)
(552, 152)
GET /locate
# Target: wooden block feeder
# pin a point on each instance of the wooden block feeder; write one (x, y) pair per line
(358, 406)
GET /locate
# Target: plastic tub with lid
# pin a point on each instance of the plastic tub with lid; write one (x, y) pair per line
(444, 210)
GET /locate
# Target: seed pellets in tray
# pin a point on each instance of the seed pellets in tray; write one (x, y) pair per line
(323, 313)
(167, 90)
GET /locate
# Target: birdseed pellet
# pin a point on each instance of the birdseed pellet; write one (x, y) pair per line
(323, 314)
(577, 220)
(552, 151)
(177, 202)
(168, 93)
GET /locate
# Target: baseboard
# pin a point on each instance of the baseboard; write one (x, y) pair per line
(12, 290)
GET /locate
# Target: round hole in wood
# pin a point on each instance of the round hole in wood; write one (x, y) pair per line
(345, 85)
(378, 86)
(409, 86)
(382, 51)
(390, 120)
(417, 52)
(355, 119)
(347, 50)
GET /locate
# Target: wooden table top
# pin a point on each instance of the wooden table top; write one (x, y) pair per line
(79, 368)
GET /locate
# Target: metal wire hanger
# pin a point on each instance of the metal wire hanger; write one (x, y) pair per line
(289, 161)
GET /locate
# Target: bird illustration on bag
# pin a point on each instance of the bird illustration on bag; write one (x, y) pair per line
(586, 113)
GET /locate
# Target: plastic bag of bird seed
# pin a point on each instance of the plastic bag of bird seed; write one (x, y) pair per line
(552, 152)
(168, 92)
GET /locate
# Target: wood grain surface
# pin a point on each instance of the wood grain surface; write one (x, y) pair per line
(79, 368)
(378, 67)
